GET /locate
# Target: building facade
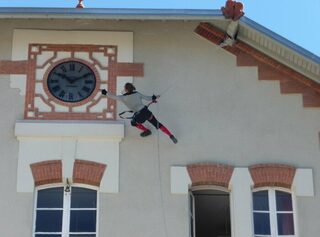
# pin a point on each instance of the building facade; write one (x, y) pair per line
(246, 116)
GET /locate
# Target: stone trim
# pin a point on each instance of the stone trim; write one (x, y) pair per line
(210, 174)
(272, 175)
(88, 172)
(47, 172)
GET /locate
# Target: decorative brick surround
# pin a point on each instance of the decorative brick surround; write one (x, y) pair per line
(272, 175)
(88, 172)
(268, 68)
(210, 174)
(102, 59)
(47, 172)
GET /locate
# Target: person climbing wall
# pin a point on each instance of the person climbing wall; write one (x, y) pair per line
(133, 100)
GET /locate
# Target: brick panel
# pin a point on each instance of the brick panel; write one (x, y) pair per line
(127, 69)
(311, 99)
(47, 172)
(88, 172)
(272, 175)
(13, 67)
(210, 174)
(288, 86)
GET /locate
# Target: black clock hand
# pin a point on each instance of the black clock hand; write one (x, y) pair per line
(81, 77)
(63, 76)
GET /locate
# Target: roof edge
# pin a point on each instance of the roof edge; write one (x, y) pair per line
(280, 39)
(109, 13)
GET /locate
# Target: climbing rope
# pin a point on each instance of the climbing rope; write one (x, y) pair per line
(164, 219)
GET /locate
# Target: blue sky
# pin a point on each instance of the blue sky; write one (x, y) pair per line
(295, 20)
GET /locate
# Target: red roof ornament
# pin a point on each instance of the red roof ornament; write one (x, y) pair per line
(80, 4)
(233, 10)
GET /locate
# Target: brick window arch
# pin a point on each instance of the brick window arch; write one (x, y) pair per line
(210, 174)
(88, 172)
(272, 175)
(47, 172)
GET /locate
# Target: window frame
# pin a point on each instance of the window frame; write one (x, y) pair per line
(66, 210)
(191, 198)
(273, 211)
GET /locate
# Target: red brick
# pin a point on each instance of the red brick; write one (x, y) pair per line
(210, 174)
(88, 172)
(311, 99)
(47, 172)
(272, 175)
(289, 86)
(13, 67)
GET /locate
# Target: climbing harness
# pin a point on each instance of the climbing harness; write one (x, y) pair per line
(122, 114)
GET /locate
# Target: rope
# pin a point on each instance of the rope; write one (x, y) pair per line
(170, 86)
(180, 78)
(160, 180)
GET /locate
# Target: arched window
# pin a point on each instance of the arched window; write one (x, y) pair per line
(273, 213)
(210, 213)
(65, 211)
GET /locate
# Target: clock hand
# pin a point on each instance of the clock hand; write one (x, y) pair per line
(81, 77)
(63, 76)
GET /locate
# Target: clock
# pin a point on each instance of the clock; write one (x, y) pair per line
(71, 81)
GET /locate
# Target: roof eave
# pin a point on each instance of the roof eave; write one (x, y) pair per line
(110, 14)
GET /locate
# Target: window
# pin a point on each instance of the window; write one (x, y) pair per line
(210, 213)
(273, 213)
(61, 212)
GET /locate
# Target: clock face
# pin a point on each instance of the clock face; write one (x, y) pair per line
(71, 81)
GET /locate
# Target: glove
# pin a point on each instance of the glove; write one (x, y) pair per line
(154, 98)
(104, 91)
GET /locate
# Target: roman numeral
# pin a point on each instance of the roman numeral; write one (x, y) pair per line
(54, 81)
(56, 88)
(80, 69)
(88, 81)
(62, 93)
(63, 68)
(86, 89)
(70, 96)
(80, 95)
(72, 66)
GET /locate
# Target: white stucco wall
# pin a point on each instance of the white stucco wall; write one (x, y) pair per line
(219, 113)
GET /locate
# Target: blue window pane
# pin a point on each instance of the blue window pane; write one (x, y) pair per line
(49, 221)
(51, 197)
(260, 201)
(83, 198)
(284, 201)
(83, 221)
(285, 224)
(47, 235)
(261, 223)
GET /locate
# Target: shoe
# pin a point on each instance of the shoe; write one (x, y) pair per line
(145, 133)
(175, 141)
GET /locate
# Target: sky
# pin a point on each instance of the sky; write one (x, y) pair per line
(296, 20)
